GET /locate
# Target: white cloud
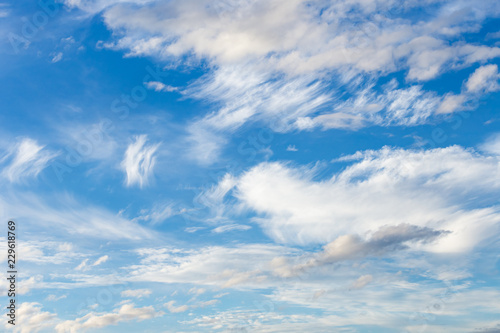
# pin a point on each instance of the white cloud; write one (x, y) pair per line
(128, 312)
(362, 281)
(484, 78)
(85, 266)
(139, 161)
(291, 148)
(209, 266)
(262, 49)
(300, 38)
(101, 260)
(183, 308)
(196, 291)
(31, 318)
(57, 57)
(231, 227)
(492, 145)
(137, 293)
(54, 298)
(284, 63)
(28, 160)
(159, 86)
(384, 188)
(158, 213)
(65, 215)
(52, 252)
(193, 229)
(33, 282)
(176, 309)
(452, 103)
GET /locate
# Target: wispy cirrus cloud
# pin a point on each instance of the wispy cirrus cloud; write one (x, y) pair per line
(4, 10)
(69, 216)
(139, 161)
(85, 266)
(26, 159)
(136, 293)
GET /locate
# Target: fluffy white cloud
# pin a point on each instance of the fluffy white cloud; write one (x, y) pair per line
(31, 318)
(484, 78)
(381, 188)
(27, 159)
(127, 312)
(303, 37)
(139, 161)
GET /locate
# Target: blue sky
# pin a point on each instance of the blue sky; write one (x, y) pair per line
(252, 166)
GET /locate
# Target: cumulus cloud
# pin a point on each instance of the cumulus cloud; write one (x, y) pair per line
(26, 160)
(484, 78)
(33, 319)
(385, 187)
(139, 161)
(128, 312)
(452, 103)
(303, 37)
